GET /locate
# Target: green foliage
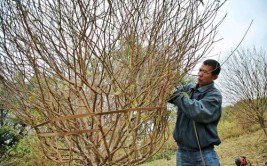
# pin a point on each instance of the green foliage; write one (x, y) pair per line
(27, 152)
(230, 126)
(8, 137)
(11, 131)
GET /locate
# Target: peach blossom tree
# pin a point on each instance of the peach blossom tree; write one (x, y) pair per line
(92, 77)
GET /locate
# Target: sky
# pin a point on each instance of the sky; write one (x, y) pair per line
(240, 13)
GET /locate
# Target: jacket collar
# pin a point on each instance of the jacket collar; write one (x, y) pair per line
(202, 88)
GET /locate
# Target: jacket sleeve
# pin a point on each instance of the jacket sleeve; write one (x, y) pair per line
(205, 110)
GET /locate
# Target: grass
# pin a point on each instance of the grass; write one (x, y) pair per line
(252, 145)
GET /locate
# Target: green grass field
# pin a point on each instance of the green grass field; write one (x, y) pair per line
(251, 145)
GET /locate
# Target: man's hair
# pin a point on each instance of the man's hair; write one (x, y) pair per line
(215, 66)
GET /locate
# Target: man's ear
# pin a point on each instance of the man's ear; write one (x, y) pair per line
(215, 77)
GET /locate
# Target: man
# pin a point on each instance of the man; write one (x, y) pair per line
(199, 111)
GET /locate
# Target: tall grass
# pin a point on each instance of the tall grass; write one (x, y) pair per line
(229, 125)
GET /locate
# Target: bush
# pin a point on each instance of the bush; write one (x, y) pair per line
(27, 152)
(230, 125)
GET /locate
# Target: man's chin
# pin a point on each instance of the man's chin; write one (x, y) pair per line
(200, 83)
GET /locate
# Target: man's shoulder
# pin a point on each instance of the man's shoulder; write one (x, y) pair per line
(215, 92)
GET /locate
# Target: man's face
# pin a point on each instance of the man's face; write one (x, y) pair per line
(205, 76)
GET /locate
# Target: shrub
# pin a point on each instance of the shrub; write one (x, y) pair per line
(26, 152)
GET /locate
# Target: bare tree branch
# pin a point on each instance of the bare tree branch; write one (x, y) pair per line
(61, 60)
(245, 85)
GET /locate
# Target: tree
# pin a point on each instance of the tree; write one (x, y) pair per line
(11, 130)
(245, 84)
(92, 77)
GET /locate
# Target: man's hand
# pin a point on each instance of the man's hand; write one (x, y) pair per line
(175, 95)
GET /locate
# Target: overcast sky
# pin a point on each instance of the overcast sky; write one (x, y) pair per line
(240, 13)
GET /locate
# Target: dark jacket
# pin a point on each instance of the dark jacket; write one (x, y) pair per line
(203, 105)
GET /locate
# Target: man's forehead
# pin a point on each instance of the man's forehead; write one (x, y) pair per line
(206, 67)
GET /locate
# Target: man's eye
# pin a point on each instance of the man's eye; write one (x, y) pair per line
(203, 71)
